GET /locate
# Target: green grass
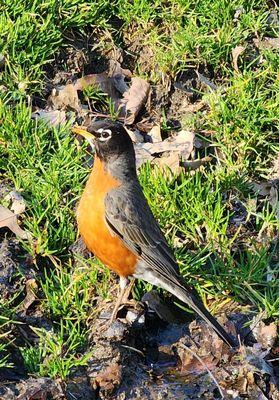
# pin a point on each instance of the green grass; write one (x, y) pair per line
(57, 354)
(49, 167)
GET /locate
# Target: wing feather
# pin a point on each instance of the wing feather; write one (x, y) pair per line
(129, 216)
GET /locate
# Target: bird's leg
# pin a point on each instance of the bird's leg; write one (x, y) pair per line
(125, 291)
(128, 291)
(122, 283)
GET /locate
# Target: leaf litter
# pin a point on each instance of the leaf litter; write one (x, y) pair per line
(8, 219)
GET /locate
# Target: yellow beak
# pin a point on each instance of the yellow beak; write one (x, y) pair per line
(79, 130)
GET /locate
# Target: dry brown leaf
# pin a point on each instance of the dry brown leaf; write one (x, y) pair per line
(267, 43)
(31, 289)
(270, 189)
(135, 135)
(9, 220)
(101, 81)
(274, 200)
(18, 202)
(236, 52)
(169, 162)
(109, 378)
(191, 365)
(118, 75)
(155, 134)
(65, 98)
(195, 164)
(111, 82)
(182, 143)
(116, 69)
(266, 335)
(39, 389)
(194, 107)
(134, 99)
(262, 188)
(51, 117)
(143, 155)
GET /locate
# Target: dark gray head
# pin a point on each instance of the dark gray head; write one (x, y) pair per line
(111, 141)
(113, 146)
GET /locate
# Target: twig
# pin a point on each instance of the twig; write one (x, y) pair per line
(195, 164)
(133, 349)
(205, 366)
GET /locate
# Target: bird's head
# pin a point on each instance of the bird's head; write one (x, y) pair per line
(112, 142)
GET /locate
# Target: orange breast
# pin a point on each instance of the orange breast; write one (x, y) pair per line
(93, 227)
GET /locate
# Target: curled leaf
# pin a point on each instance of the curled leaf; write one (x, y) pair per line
(235, 54)
(134, 99)
(9, 220)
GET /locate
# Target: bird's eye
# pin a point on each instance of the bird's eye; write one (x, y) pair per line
(105, 134)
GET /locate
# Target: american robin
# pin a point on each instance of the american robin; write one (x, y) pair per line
(117, 225)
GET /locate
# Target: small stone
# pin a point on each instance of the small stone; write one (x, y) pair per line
(2, 61)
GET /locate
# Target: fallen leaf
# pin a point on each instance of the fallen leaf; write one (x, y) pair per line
(116, 69)
(18, 202)
(191, 365)
(183, 143)
(274, 200)
(267, 43)
(169, 162)
(135, 135)
(270, 189)
(145, 125)
(101, 81)
(127, 100)
(109, 378)
(255, 362)
(134, 99)
(39, 389)
(155, 134)
(236, 52)
(2, 61)
(143, 155)
(195, 164)
(9, 220)
(266, 335)
(262, 188)
(31, 288)
(51, 117)
(240, 10)
(118, 75)
(64, 98)
(194, 107)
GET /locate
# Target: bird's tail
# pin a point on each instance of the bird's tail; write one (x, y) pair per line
(189, 297)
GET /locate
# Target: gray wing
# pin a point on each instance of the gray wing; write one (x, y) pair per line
(129, 216)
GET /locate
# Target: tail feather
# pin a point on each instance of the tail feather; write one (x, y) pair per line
(189, 297)
(196, 304)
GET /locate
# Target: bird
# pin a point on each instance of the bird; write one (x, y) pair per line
(117, 225)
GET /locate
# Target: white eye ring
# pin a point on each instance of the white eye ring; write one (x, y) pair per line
(105, 134)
